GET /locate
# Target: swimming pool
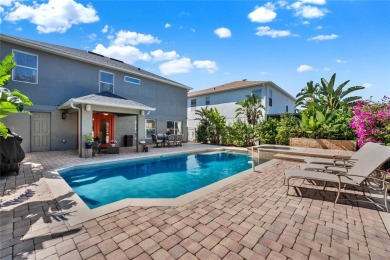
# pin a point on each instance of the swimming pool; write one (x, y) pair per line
(164, 177)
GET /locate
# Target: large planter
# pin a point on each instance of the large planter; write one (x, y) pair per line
(347, 145)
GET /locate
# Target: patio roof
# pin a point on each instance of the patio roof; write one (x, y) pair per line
(106, 99)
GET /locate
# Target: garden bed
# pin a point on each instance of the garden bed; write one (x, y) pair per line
(347, 145)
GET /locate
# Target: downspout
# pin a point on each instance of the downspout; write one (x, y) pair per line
(79, 119)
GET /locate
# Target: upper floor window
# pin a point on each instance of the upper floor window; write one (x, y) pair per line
(132, 80)
(26, 69)
(193, 104)
(270, 98)
(106, 81)
(286, 109)
(257, 92)
(207, 101)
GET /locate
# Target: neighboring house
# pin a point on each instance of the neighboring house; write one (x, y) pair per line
(224, 98)
(76, 92)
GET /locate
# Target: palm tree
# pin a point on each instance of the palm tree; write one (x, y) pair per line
(251, 107)
(324, 96)
(336, 98)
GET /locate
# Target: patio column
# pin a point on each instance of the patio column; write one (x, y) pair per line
(85, 127)
(140, 128)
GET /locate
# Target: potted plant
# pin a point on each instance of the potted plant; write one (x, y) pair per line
(88, 141)
(113, 143)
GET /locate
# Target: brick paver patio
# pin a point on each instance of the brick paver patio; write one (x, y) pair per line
(252, 218)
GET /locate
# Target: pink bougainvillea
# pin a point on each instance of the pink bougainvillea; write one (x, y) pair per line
(371, 121)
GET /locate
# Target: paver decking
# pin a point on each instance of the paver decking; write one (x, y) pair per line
(252, 218)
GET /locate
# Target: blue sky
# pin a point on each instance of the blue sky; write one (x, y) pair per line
(208, 43)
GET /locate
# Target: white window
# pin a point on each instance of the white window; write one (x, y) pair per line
(257, 92)
(207, 101)
(26, 69)
(132, 80)
(106, 81)
(193, 104)
(150, 128)
(270, 98)
(175, 127)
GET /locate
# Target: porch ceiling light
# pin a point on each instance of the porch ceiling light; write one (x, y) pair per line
(88, 107)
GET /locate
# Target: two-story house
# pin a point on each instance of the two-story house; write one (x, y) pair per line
(224, 97)
(77, 92)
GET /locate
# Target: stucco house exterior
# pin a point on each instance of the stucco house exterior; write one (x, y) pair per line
(77, 92)
(275, 100)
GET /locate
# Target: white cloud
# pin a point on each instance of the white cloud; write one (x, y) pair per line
(323, 37)
(264, 73)
(128, 54)
(303, 68)
(305, 22)
(53, 16)
(341, 61)
(319, 27)
(326, 69)
(210, 66)
(160, 55)
(92, 37)
(368, 85)
(123, 38)
(19, 29)
(179, 66)
(6, 2)
(263, 14)
(316, 2)
(311, 12)
(167, 25)
(105, 29)
(223, 32)
(266, 31)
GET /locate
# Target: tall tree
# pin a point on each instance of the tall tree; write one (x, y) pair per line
(251, 107)
(326, 96)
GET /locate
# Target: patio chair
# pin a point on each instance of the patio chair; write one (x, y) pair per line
(342, 161)
(171, 140)
(357, 176)
(156, 141)
(179, 139)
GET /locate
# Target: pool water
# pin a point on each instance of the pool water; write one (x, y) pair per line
(165, 177)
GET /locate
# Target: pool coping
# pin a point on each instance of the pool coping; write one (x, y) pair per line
(74, 209)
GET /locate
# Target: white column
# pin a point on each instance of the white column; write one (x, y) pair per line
(140, 130)
(85, 127)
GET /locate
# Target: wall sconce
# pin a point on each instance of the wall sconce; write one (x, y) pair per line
(142, 113)
(63, 115)
(88, 107)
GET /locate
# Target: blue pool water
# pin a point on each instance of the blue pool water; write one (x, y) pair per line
(165, 177)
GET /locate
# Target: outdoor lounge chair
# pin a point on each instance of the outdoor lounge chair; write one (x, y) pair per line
(358, 175)
(341, 161)
(157, 141)
(338, 165)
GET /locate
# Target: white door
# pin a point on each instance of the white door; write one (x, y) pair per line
(40, 132)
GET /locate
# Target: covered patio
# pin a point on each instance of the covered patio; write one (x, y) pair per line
(108, 117)
(251, 218)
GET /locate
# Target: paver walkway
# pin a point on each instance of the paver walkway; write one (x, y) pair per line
(250, 219)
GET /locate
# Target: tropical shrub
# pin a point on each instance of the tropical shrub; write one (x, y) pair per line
(371, 121)
(339, 127)
(251, 107)
(286, 129)
(267, 131)
(11, 102)
(211, 126)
